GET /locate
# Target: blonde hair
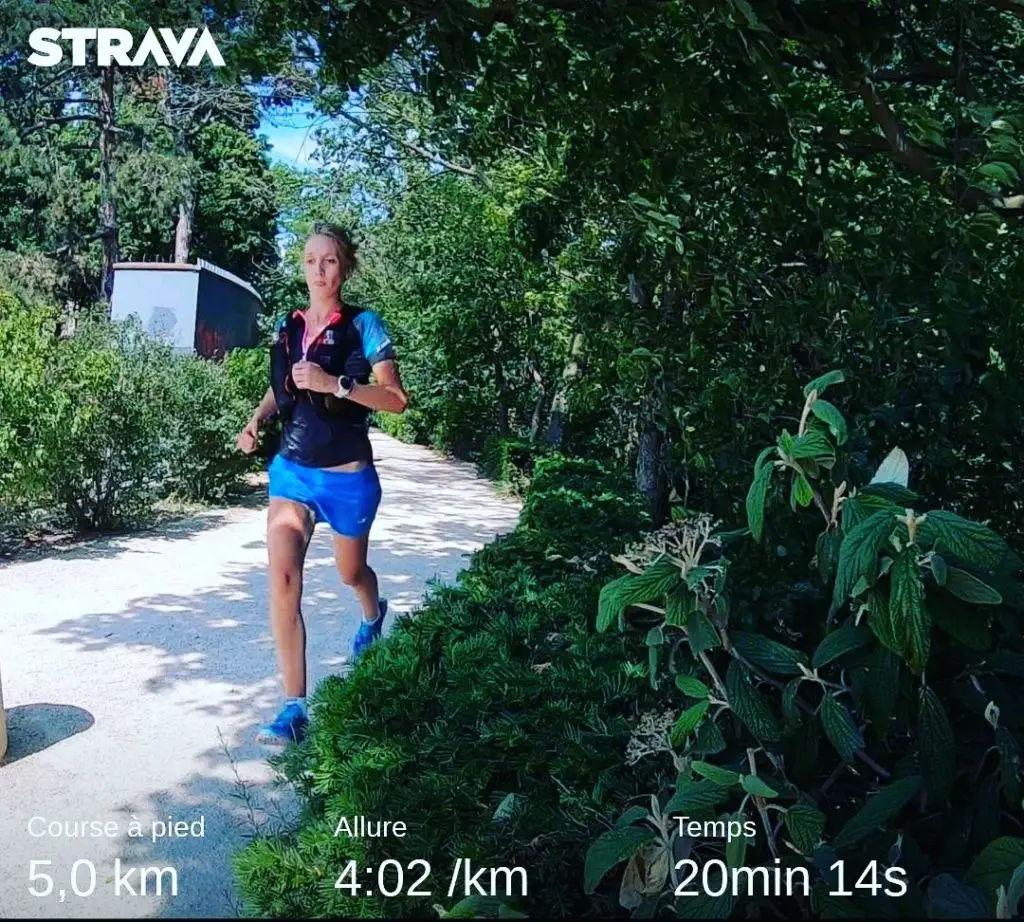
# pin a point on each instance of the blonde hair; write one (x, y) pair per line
(343, 240)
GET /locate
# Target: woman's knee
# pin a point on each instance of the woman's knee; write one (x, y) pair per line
(352, 572)
(286, 578)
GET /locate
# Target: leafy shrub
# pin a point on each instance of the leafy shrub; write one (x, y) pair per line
(100, 432)
(26, 338)
(207, 410)
(873, 719)
(406, 427)
(248, 374)
(496, 732)
(98, 426)
(510, 460)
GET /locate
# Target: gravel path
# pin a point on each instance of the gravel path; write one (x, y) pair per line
(133, 666)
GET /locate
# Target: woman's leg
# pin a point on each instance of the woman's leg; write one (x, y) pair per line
(289, 528)
(350, 558)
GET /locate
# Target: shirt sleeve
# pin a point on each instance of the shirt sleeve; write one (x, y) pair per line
(376, 342)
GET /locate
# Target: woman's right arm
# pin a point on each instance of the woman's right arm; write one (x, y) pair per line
(266, 409)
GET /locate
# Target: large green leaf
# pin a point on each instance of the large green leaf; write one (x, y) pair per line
(855, 511)
(718, 775)
(813, 445)
(821, 384)
(832, 418)
(801, 493)
(879, 808)
(757, 497)
(687, 722)
(892, 493)
(858, 554)
(969, 627)
(754, 786)
(660, 578)
(840, 728)
(709, 740)
(969, 588)
(839, 642)
(994, 867)
(826, 550)
(748, 704)
(880, 621)
(948, 898)
(736, 846)
(692, 687)
(911, 623)
(680, 603)
(882, 687)
(935, 744)
(804, 824)
(701, 633)
(691, 796)
(971, 541)
(769, 654)
(611, 848)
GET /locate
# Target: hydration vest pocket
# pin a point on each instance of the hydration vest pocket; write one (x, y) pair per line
(281, 379)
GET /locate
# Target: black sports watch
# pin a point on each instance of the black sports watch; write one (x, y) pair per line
(345, 385)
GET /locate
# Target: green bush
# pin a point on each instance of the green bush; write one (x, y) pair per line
(406, 427)
(207, 409)
(510, 460)
(859, 706)
(26, 339)
(496, 732)
(248, 374)
(100, 434)
(96, 427)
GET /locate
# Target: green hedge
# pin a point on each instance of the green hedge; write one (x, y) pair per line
(493, 724)
(95, 428)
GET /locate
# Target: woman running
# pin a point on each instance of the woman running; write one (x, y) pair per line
(321, 362)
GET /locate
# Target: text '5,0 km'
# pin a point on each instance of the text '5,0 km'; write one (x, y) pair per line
(82, 880)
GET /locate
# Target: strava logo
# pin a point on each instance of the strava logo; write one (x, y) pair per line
(114, 46)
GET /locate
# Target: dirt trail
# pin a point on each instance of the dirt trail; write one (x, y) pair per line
(133, 666)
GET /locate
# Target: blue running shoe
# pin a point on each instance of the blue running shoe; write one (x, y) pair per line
(369, 631)
(288, 727)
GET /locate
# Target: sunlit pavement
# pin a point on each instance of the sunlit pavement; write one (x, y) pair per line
(132, 667)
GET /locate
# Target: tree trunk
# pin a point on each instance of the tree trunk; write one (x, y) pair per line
(654, 450)
(108, 200)
(651, 469)
(560, 402)
(183, 232)
(538, 405)
(502, 399)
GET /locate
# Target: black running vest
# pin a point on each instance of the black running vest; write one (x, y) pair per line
(320, 430)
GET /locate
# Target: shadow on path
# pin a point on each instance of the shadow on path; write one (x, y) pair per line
(31, 728)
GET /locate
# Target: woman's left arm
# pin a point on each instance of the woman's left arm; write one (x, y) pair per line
(387, 394)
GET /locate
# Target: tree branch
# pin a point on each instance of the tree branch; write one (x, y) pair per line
(430, 156)
(62, 120)
(923, 163)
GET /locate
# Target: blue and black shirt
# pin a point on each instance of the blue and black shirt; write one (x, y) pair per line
(319, 430)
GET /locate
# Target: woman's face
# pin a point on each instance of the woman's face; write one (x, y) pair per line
(322, 265)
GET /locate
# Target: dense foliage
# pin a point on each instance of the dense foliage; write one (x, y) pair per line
(95, 428)
(892, 646)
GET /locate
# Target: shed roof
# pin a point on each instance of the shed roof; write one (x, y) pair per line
(201, 264)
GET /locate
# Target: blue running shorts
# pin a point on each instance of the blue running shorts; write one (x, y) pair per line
(346, 500)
